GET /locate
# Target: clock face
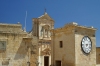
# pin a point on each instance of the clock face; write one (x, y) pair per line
(86, 44)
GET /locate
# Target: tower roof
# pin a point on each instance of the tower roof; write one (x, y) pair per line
(45, 16)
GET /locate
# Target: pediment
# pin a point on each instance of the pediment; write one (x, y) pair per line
(46, 51)
(46, 16)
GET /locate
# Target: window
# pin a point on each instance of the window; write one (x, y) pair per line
(2, 45)
(61, 44)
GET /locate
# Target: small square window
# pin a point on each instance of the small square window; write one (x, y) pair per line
(2, 45)
(61, 44)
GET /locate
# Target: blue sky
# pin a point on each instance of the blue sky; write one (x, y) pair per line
(84, 12)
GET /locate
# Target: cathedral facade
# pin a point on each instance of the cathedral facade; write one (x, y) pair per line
(71, 45)
(42, 27)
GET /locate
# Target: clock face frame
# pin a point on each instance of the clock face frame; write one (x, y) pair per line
(86, 44)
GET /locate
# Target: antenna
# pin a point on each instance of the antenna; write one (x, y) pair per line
(25, 22)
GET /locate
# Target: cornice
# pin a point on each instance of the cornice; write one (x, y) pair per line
(64, 29)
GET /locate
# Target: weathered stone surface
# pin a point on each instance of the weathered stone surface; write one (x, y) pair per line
(42, 29)
(71, 54)
(17, 49)
(98, 55)
(32, 47)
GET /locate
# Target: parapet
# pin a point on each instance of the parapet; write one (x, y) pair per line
(11, 28)
(72, 23)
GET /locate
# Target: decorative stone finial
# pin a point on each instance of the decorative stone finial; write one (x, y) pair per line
(92, 27)
(18, 22)
(73, 23)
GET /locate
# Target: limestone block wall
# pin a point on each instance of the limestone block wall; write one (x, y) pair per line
(21, 47)
(71, 53)
(16, 52)
(98, 65)
(82, 59)
(11, 28)
(66, 54)
(98, 55)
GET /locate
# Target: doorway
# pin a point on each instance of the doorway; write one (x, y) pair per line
(46, 60)
(58, 63)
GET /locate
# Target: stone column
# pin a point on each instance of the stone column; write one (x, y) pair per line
(47, 33)
(43, 32)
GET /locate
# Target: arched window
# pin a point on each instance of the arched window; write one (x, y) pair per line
(45, 29)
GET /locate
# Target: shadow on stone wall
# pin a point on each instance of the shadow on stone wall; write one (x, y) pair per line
(22, 51)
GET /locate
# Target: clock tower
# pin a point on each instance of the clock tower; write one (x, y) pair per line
(74, 45)
(85, 46)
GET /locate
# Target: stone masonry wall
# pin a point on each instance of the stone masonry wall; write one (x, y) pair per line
(66, 54)
(16, 52)
(21, 47)
(82, 59)
(98, 55)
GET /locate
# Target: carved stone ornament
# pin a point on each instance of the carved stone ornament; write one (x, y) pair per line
(46, 51)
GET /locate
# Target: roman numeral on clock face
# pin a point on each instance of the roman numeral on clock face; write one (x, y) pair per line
(85, 39)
